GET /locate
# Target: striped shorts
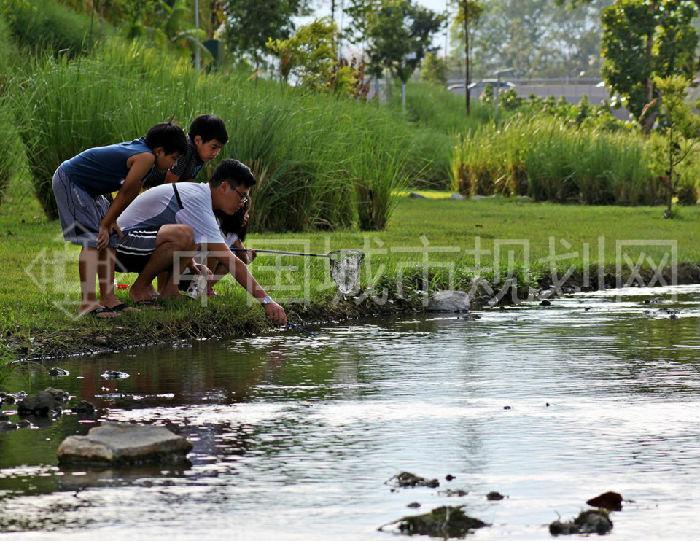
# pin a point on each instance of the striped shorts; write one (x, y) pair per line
(135, 249)
(80, 213)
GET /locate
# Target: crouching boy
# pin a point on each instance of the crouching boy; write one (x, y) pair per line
(166, 224)
(87, 217)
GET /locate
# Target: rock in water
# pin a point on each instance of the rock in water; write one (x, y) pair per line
(409, 480)
(83, 408)
(612, 501)
(445, 522)
(117, 443)
(42, 403)
(449, 301)
(592, 521)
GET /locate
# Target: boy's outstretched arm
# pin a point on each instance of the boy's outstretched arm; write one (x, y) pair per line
(140, 165)
(240, 272)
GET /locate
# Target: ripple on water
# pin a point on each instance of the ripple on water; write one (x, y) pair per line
(294, 435)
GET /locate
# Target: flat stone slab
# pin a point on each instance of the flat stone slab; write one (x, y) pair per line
(449, 301)
(118, 443)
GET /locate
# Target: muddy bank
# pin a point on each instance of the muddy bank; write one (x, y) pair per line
(223, 322)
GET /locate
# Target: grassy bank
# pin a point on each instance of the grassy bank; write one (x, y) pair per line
(40, 272)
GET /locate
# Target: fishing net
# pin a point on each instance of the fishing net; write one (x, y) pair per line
(345, 269)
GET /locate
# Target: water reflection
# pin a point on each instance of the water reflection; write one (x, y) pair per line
(294, 435)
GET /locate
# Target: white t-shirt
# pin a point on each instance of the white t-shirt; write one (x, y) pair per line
(161, 206)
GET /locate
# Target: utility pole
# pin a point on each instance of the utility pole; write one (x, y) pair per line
(197, 52)
(447, 26)
(464, 4)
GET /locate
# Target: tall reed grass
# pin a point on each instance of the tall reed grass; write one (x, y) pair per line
(12, 155)
(441, 115)
(310, 152)
(549, 160)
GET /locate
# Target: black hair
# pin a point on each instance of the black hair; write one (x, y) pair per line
(233, 172)
(209, 127)
(233, 223)
(168, 136)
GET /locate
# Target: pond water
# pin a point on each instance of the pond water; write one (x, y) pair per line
(295, 435)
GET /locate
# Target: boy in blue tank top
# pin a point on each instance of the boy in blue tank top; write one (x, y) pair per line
(80, 185)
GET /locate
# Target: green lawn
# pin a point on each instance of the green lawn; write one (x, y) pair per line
(435, 237)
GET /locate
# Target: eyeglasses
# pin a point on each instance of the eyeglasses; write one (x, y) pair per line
(243, 196)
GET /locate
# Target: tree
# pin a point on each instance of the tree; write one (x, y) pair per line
(251, 23)
(681, 128)
(358, 13)
(537, 37)
(165, 22)
(399, 35)
(433, 69)
(311, 56)
(468, 14)
(644, 39)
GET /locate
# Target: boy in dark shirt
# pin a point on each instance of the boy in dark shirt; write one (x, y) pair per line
(207, 136)
(88, 219)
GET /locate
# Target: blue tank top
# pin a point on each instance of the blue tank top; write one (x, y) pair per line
(102, 170)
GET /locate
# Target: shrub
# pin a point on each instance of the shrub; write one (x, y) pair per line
(46, 24)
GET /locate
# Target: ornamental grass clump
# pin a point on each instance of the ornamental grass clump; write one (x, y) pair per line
(550, 159)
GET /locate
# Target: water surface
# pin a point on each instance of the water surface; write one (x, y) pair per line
(295, 435)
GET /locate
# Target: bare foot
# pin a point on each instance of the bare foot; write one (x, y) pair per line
(110, 301)
(142, 294)
(170, 291)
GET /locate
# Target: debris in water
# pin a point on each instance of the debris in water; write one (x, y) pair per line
(494, 496)
(612, 501)
(445, 522)
(407, 479)
(83, 408)
(506, 407)
(413, 505)
(57, 372)
(114, 374)
(591, 521)
(449, 477)
(452, 492)
(545, 302)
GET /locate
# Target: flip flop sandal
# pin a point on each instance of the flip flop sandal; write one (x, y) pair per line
(123, 307)
(98, 311)
(151, 303)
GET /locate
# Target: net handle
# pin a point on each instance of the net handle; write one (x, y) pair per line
(281, 252)
(330, 255)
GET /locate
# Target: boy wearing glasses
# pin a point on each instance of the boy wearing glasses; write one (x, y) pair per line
(166, 224)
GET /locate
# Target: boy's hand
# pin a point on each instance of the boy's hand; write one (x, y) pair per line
(275, 313)
(104, 233)
(202, 270)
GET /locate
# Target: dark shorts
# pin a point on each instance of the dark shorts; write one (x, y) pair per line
(80, 213)
(135, 249)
